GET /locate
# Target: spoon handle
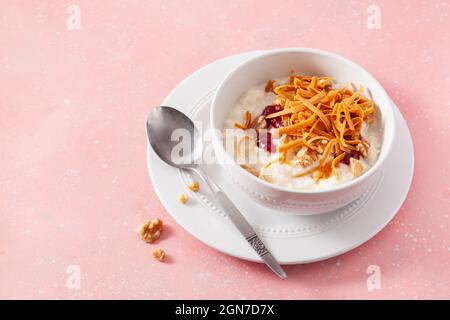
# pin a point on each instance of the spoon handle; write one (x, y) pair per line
(250, 235)
(243, 226)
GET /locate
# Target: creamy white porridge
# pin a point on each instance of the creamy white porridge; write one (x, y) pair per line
(300, 166)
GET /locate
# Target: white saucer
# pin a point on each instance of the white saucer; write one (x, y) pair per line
(292, 239)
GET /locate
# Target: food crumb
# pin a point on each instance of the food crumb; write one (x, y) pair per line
(194, 186)
(158, 254)
(270, 85)
(183, 198)
(151, 230)
(356, 167)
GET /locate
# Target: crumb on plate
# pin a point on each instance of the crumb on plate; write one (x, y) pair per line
(194, 186)
(183, 198)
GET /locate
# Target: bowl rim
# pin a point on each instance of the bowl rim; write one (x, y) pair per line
(386, 145)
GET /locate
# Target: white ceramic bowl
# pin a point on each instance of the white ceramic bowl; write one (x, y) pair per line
(277, 64)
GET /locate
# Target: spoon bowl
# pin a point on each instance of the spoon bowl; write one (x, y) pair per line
(174, 137)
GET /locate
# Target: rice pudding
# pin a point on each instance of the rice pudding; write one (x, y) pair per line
(304, 132)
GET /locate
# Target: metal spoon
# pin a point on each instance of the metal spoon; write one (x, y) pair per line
(162, 123)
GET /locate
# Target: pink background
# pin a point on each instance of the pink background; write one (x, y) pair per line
(73, 175)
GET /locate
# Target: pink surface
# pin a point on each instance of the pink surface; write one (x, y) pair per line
(73, 176)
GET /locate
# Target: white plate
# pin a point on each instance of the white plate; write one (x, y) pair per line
(292, 239)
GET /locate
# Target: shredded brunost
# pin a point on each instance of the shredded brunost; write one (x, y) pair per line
(317, 123)
(246, 124)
